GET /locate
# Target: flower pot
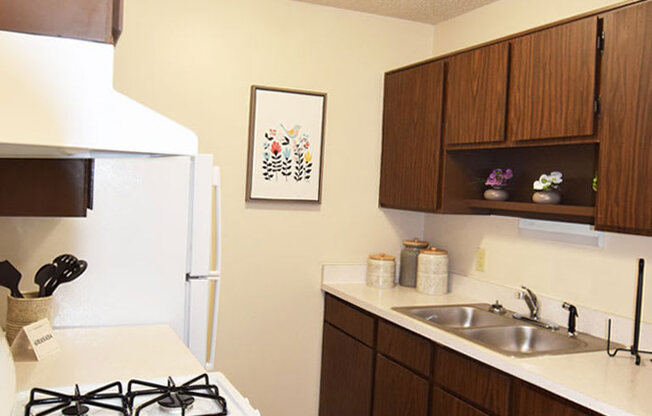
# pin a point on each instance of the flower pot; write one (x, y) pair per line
(546, 197)
(495, 194)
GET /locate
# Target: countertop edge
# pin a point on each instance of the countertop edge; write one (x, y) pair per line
(475, 351)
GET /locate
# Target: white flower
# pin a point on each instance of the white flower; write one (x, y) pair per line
(555, 177)
(537, 185)
(544, 179)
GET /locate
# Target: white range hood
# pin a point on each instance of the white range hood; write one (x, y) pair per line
(57, 100)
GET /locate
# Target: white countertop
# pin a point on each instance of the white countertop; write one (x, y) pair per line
(100, 355)
(612, 386)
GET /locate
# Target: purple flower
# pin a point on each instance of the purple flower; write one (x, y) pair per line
(493, 182)
(499, 178)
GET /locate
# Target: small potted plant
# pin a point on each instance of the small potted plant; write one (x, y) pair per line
(497, 180)
(547, 188)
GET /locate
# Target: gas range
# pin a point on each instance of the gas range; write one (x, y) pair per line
(205, 395)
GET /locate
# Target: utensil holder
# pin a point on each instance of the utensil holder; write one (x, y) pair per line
(24, 311)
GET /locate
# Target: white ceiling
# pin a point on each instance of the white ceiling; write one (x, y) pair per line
(425, 11)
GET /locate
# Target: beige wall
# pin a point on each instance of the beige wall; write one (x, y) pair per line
(603, 278)
(195, 61)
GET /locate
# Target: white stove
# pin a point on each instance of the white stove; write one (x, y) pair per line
(204, 395)
(132, 371)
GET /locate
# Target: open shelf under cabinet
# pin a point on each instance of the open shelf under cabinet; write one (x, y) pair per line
(585, 213)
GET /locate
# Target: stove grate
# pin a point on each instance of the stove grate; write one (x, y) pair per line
(44, 402)
(172, 396)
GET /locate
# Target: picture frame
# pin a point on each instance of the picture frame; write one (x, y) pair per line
(286, 145)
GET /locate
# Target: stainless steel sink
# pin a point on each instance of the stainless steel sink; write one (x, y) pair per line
(502, 333)
(457, 316)
(524, 341)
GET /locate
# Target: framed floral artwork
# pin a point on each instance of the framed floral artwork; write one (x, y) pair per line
(286, 143)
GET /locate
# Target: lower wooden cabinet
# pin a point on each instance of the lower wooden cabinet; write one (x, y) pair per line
(398, 391)
(346, 375)
(482, 385)
(384, 376)
(531, 401)
(444, 404)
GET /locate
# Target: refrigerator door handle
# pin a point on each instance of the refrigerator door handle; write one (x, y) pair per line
(215, 273)
(203, 284)
(218, 223)
(210, 364)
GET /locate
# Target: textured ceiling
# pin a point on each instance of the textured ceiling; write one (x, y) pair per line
(426, 11)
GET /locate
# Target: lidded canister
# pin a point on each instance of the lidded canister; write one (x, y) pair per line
(432, 271)
(409, 255)
(381, 271)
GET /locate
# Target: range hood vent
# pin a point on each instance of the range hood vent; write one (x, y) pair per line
(57, 100)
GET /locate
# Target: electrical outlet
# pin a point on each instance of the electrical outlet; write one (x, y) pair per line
(480, 259)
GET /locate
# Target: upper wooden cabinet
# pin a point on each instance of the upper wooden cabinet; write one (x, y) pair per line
(95, 20)
(476, 94)
(552, 82)
(46, 187)
(575, 96)
(624, 195)
(412, 137)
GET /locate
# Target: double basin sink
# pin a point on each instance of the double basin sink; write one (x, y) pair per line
(502, 333)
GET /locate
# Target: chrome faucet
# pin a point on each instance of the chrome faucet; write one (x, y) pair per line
(531, 300)
(533, 304)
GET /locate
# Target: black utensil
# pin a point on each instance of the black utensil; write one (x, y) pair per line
(42, 276)
(64, 259)
(68, 275)
(9, 278)
(61, 263)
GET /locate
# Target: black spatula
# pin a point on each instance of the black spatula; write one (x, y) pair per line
(42, 276)
(9, 278)
(70, 273)
(61, 263)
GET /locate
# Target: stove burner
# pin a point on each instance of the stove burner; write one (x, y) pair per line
(44, 402)
(172, 397)
(176, 401)
(75, 410)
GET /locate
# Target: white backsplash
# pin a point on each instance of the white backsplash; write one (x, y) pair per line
(590, 320)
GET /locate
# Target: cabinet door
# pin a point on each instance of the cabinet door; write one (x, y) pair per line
(476, 94)
(624, 196)
(406, 347)
(346, 375)
(528, 401)
(46, 187)
(480, 384)
(398, 391)
(552, 82)
(444, 404)
(409, 172)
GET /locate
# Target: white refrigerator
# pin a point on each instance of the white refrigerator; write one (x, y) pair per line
(148, 243)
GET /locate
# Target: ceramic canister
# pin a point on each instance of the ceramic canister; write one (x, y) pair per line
(24, 311)
(408, 267)
(381, 271)
(432, 271)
